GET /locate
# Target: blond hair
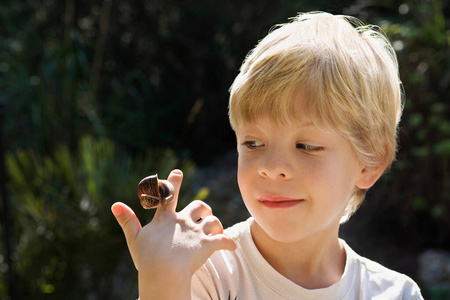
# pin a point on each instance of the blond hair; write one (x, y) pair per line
(348, 73)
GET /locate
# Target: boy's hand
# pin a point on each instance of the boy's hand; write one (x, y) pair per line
(169, 249)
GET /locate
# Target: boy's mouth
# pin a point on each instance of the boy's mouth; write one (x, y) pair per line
(278, 201)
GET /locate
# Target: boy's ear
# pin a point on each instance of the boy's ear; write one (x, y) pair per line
(368, 177)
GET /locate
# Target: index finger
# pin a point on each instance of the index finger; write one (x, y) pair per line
(175, 178)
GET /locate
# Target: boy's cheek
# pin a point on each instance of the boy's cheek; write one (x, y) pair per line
(247, 163)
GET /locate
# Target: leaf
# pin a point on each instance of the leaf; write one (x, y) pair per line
(443, 148)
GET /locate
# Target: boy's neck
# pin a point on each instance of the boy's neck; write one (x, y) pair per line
(313, 263)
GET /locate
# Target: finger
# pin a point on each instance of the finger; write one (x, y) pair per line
(211, 225)
(175, 178)
(197, 210)
(221, 242)
(127, 219)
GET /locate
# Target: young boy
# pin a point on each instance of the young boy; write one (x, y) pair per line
(315, 109)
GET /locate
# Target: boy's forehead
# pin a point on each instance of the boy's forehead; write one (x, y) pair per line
(264, 121)
(290, 109)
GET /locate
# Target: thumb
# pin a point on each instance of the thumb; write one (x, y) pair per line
(127, 219)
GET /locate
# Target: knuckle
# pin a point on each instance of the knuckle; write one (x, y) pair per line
(212, 225)
(198, 204)
(182, 219)
(124, 223)
(213, 220)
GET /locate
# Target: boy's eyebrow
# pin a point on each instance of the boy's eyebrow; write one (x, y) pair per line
(307, 124)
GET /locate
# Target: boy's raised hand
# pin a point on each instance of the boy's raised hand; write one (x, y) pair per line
(169, 249)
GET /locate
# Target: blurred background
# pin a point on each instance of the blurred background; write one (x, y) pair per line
(95, 95)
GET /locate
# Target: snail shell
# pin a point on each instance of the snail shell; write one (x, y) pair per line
(152, 191)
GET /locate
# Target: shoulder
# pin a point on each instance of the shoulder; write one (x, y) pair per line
(239, 230)
(376, 280)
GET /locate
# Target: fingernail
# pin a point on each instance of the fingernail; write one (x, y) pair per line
(177, 172)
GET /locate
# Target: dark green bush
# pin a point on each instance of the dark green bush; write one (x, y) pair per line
(68, 244)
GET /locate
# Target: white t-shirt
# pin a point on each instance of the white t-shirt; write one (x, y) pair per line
(245, 275)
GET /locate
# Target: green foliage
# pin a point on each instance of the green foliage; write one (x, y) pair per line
(158, 74)
(441, 292)
(422, 171)
(69, 245)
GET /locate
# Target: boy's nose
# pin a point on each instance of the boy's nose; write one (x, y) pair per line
(275, 165)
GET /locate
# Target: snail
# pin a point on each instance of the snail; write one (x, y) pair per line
(152, 191)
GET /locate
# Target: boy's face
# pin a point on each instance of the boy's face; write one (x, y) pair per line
(295, 179)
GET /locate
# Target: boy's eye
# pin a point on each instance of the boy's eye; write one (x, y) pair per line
(308, 147)
(252, 144)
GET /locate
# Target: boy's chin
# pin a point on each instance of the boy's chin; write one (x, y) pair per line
(276, 233)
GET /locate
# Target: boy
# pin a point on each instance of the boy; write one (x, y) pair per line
(315, 109)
